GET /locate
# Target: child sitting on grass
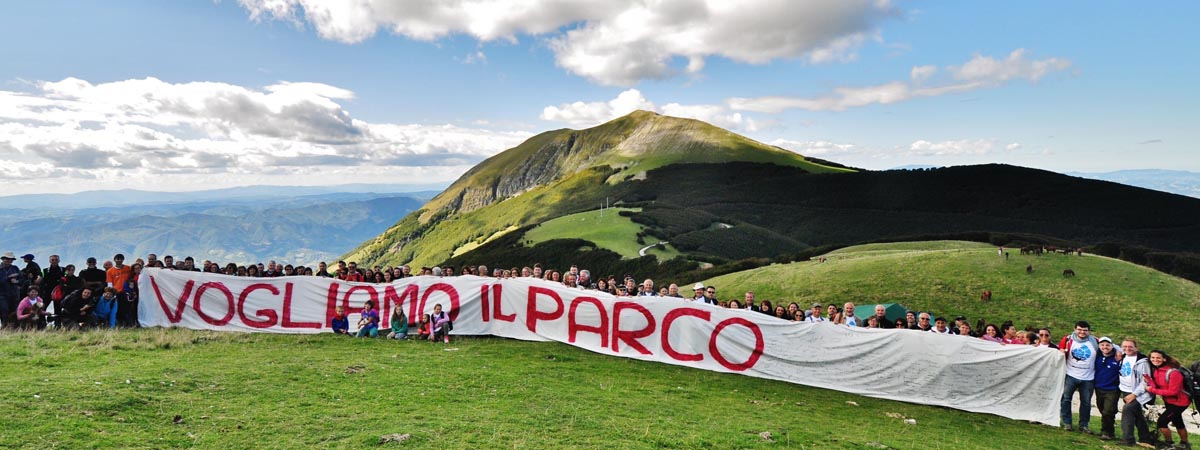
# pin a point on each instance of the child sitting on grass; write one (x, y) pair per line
(399, 323)
(441, 324)
(368, 325)
(424, 329)
(340, 323)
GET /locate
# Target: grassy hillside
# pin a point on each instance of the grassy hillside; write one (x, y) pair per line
(1118, 298)
(411, 242)
(609, 230)
(124, 390)
(853, 208)
(556, 161)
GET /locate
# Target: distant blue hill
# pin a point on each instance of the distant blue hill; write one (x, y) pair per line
(246, 229)
(127, 197)
(1174, 181)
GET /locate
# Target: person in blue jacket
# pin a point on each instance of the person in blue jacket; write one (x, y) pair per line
(105, 311)
(1108, 387)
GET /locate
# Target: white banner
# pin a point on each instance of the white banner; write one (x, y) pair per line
(1014, 381)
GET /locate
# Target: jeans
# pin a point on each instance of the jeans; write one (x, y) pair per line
(1107, 402)
(1133, 415)
(1085, 388)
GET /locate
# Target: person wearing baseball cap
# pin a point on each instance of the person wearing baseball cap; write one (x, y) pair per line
(10, 288)
(1108, 387)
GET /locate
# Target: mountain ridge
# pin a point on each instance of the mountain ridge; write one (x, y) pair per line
(718, 198)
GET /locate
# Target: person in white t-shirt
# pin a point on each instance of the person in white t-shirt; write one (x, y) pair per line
(848, 317)
(816, 314)
(939, 326)
(1134, 368)
(1080, 349)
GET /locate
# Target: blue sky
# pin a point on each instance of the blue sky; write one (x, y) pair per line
(194, 95)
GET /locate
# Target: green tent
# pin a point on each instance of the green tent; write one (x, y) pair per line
(893, 311)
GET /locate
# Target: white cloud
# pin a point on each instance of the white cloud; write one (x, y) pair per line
(150, 131)
(978, 73)
(919, 148)
(961, 147)
(581, 114)
(817, 148)
(588, 114)
(613, 42)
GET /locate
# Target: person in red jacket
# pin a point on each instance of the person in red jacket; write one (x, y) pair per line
(1166, 380)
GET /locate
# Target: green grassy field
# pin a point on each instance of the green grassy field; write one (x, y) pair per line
(611, 231)
(945, 277)
(123, 390)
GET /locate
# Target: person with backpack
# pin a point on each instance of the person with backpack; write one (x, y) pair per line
(1134, 368)
(1080, 348)
(1167, 379)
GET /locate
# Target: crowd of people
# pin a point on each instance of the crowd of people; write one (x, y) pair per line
(34, 297)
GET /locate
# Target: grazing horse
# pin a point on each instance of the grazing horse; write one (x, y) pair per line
(1068, 273)
(1029, 268)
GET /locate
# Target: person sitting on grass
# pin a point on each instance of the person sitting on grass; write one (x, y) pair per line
(1166, 381)
(340, 323)
(368, 325)
(74, 308)
(440, 322)
(424, 328)
(104, 312)
(399, 324)
(29, 311)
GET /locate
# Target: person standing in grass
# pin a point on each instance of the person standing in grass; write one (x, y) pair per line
(1080, 349)
(1044, 339)
(1108, 387)
(399, 323)
(368, 325)
(1166, 381)
(1009, 332)
(990, 333)
(1134, 368)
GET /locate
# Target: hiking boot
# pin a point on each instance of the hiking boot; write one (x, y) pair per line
(1085, 430)
(1183, 446)
(1068, 427)
(1165, 445)
(1106, 437)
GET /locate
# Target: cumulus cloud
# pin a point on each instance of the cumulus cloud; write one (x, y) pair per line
(962, 147)
(817, 148)
(588, 114)
(138, 130)
(978, 73)
(613, 42)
